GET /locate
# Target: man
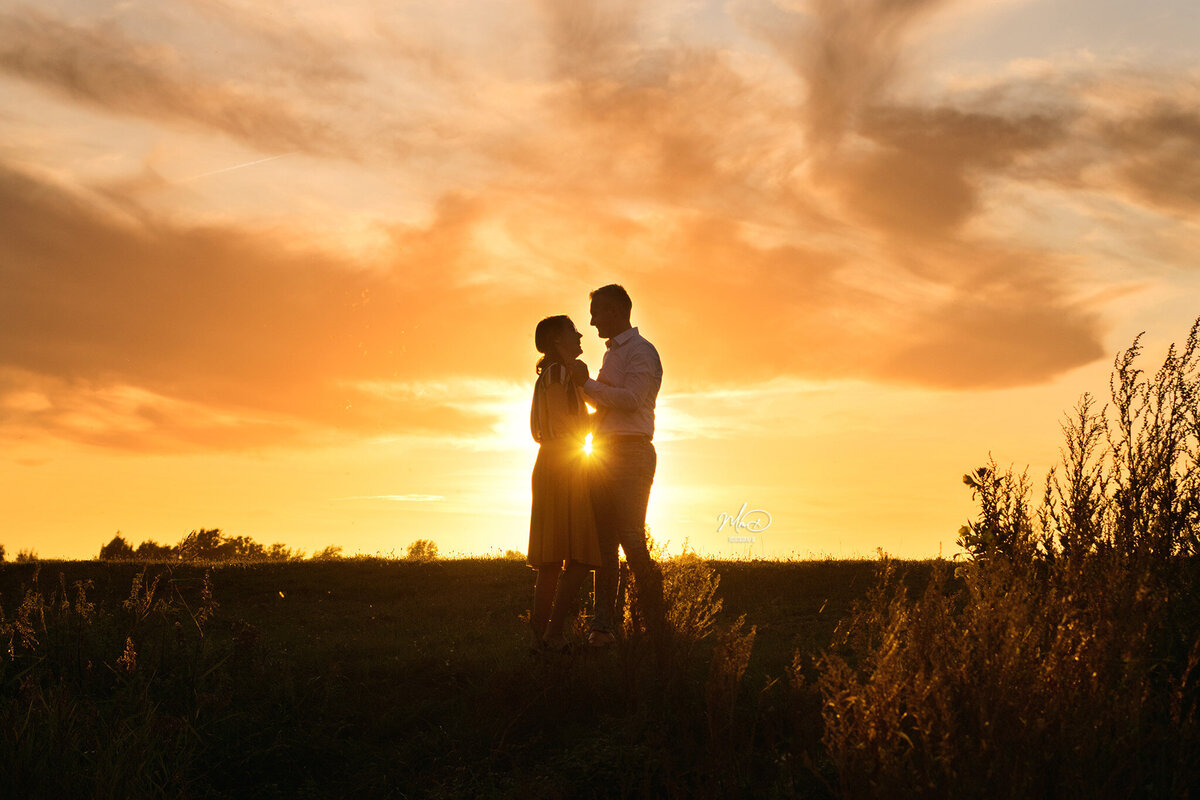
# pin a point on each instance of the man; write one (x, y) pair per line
(624, 393)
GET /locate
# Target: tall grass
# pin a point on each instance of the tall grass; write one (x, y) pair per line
(1061, 658)
(135, 683)
(106, 701)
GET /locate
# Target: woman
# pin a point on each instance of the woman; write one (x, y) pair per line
(563, 546)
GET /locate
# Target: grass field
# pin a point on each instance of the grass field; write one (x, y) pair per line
(390, 678)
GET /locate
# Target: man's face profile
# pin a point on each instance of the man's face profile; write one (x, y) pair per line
(603, 315)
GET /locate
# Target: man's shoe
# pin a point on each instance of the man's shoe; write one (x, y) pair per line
(600, 639)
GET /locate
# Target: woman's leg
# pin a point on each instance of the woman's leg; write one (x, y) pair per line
(543, 600)
(566, 600)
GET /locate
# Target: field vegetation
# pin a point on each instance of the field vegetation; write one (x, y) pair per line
(1061, 658)
(379, 677)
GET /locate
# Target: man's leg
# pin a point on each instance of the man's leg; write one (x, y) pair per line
(607, 574)
(631, 495)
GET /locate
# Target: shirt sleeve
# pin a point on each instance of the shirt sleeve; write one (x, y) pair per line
(642, 381)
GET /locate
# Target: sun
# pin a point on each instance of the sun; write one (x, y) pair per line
(587, 445)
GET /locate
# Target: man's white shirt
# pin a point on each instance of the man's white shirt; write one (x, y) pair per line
(625, 390)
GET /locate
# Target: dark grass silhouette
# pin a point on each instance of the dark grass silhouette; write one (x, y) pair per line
(378, 678)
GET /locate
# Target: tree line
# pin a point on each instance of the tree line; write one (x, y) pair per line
(212, 544)
(209, 544)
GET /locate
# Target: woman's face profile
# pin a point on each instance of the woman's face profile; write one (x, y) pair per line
(568, 342)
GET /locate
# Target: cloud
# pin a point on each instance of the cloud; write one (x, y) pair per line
(873, 284)
(125, 417)
(281, 43)
(847, 53)
(923, 178)
(236, 321)
(590, 37)
(955, 317)
(1009, 322)
(399, 498)
(132, 316)
(103, 67)
(819, 225)
(1155, 149)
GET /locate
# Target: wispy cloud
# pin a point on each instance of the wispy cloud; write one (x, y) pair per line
(103, 67)
(398, 498)
(847, 54)
(233, 167)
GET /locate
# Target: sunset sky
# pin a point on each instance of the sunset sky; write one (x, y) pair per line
(275, 267)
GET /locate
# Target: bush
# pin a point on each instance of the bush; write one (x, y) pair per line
(150, 550)
(690, 592)
(116, 550)
(422, 550)
(690, 598)
(213, 545)
(331, 553)
(1061, 658)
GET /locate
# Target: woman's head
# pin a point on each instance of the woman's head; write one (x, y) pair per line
(557, 339)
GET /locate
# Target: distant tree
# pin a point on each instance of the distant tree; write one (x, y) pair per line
(242, 548)
(27, 556)
(331, 553)
(213, 545)
(514, 555)
(150, 550)
(1, 552)
(422, 550)
(280, 552)
(203, 545)
(116, 550)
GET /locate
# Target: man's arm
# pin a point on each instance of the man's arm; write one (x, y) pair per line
(642, 382)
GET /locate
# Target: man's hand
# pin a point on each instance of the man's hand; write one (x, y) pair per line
(579, 372)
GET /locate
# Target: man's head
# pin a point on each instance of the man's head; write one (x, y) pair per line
(611, 308)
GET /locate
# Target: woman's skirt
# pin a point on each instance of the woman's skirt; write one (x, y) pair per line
(562, 527)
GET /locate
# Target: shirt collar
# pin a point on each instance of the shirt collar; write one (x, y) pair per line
(621, 338)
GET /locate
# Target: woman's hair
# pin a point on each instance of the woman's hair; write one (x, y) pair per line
(543, 339)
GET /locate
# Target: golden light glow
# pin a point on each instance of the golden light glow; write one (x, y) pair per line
(587, 445)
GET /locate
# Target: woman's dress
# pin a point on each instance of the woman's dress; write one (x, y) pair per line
(561, 525)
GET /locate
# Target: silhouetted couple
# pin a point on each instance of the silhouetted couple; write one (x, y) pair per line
(585, 506)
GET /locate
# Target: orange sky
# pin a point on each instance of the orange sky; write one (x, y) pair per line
(275, 269)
